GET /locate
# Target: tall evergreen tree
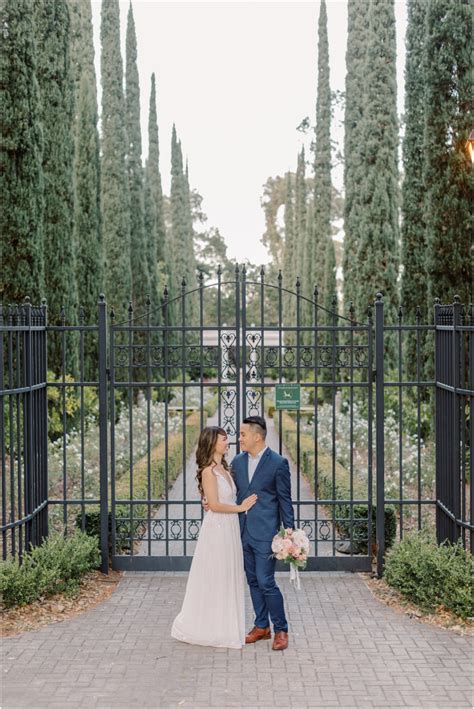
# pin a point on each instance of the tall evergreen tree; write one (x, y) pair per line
(181, 236)
(322, 156)
(289, 257)
(448, 176)
(414, 284)
(413, 231)
(300, 220)
(356, 86)
(139, 251)
(310, 258)
(81, 42)
(378, 232)
(87, 226)
(191, 269)
(178, 234)
(153, 202)
(114, 183)
(22, 155)
(57, 112)
(329, 283)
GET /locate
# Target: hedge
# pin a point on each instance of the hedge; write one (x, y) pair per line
(140, 481)
(55, 566)
(432, 576)
(360, 531)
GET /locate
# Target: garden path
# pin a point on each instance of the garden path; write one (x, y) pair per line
(346, 650)
(193, 509)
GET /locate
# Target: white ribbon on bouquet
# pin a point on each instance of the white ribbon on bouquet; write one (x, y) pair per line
(295, 576)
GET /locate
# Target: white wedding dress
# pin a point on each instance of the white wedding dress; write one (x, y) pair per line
(213, 611)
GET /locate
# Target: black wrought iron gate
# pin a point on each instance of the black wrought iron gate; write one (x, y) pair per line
(194, 361)
(213, 355)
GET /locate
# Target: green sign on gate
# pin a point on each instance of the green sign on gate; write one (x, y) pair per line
(287, 396)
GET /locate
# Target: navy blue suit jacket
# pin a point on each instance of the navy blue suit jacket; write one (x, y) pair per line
(271, 481)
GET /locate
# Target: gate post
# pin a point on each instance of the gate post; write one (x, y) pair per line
(103, 424)
(379, 438)
(43, 358)
(31, 538)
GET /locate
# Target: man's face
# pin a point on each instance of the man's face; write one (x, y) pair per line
(249, 439)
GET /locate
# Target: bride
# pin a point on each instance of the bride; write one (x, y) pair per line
(213, 607)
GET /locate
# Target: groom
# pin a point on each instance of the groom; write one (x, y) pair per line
(258, 469)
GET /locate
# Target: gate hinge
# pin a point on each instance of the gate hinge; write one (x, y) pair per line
(107, 371)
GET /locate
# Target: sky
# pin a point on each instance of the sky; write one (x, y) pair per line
(236, 78)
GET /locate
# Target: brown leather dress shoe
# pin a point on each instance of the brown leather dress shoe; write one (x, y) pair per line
(280, 641)
(258, 634)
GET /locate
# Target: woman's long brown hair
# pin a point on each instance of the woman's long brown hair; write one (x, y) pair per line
(205, 452)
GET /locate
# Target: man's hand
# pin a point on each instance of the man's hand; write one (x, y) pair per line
(204, 504)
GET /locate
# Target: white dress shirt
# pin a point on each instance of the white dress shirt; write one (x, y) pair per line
(254, 461)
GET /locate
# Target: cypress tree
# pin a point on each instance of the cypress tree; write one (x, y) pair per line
(329, 283)
(329, 302)
(378, 232)
(22, 156)
(114, 184)
(289, 259)
(153, 202)
(310, 259)
(57, 111)
(87, 227)
(356, 86)
(191, 270)
(81, 43)
(181, 242)
(322, 156)
(413, 236)
(179, 237)
(138, 244)
(414, 287)
(448, 175)
(300, 219)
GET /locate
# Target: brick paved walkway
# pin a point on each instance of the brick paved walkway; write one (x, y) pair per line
(346, 650)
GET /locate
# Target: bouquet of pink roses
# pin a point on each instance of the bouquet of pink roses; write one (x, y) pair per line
(291, 546)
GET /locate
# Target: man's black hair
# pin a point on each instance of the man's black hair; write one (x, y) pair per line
(257, 421)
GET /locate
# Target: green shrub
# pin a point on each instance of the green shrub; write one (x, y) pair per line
(360, 529)
(55, 566)
(432, 575)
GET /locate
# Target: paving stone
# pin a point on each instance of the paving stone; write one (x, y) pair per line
(346, 650)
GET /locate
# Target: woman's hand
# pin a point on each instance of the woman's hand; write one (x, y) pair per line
(248, 503)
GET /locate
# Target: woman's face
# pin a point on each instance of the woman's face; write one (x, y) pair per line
(222, 445)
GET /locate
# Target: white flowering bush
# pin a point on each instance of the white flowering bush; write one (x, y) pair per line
(192, 396)
(78, 452)
(408, 447)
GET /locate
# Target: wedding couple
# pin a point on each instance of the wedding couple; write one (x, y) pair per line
(246, 503)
